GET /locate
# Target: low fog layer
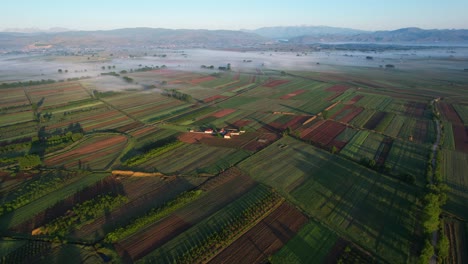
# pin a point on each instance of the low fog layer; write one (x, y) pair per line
(37, 67)
(109, 83)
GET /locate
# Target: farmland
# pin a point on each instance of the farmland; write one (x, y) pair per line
(322, 186)
(193, 162)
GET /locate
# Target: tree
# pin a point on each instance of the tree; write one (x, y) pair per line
(29, 162)
(325, 114)
(443, 247)
(333, 150)
(426, 253)
(431, 212)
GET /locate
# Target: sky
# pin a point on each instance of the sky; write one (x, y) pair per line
(234, 14)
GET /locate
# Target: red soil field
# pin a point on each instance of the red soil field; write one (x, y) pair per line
(137, 247)
(223, 112)
(106, 115)
(460, 134)
(356, 111)
(355, 99)
(214, 98)
(325, 133)
(294, 123)
(275, 83)
(450, 113)
(347, 113)
(337, 88)
(311, 127)
(265, 238)
(241, 123)
(262, 142)
(191, 138)
(86, 150)
(201, 79)
(298, 92)
(339, 145)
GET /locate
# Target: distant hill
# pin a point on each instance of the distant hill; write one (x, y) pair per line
(131, 37)
(404, 35)
(297, 31)
(189, 38)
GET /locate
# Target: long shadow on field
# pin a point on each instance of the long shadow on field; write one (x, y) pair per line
(297, 109)
(266, 126)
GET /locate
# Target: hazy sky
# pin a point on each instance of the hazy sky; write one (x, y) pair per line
(234, 14)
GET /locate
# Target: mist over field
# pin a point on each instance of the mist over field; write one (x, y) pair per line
(37, 67)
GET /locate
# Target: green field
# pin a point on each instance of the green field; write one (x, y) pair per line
(376, 212)
(453, 163)
(310, 245)
(26, 212)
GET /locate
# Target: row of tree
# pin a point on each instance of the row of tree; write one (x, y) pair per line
(177, 95)
(82, 213)
(207, 247)
(152, 216)
(35, 188)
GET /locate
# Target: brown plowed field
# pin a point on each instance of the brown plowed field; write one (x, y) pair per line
(265, 238)
(294, 123)
(87, 152)
(309, 129)
(455, 232)
(450, 113)
(191, 138)
(241, 123)
(230, 185)
(355, 99)
(460, 134)
(223, 112)
(262, 142)
(325, 133)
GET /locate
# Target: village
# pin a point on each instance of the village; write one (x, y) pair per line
(226, 133)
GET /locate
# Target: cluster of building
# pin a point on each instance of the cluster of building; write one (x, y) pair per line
(227, 133)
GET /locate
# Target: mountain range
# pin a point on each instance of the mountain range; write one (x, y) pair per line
(298, 35)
